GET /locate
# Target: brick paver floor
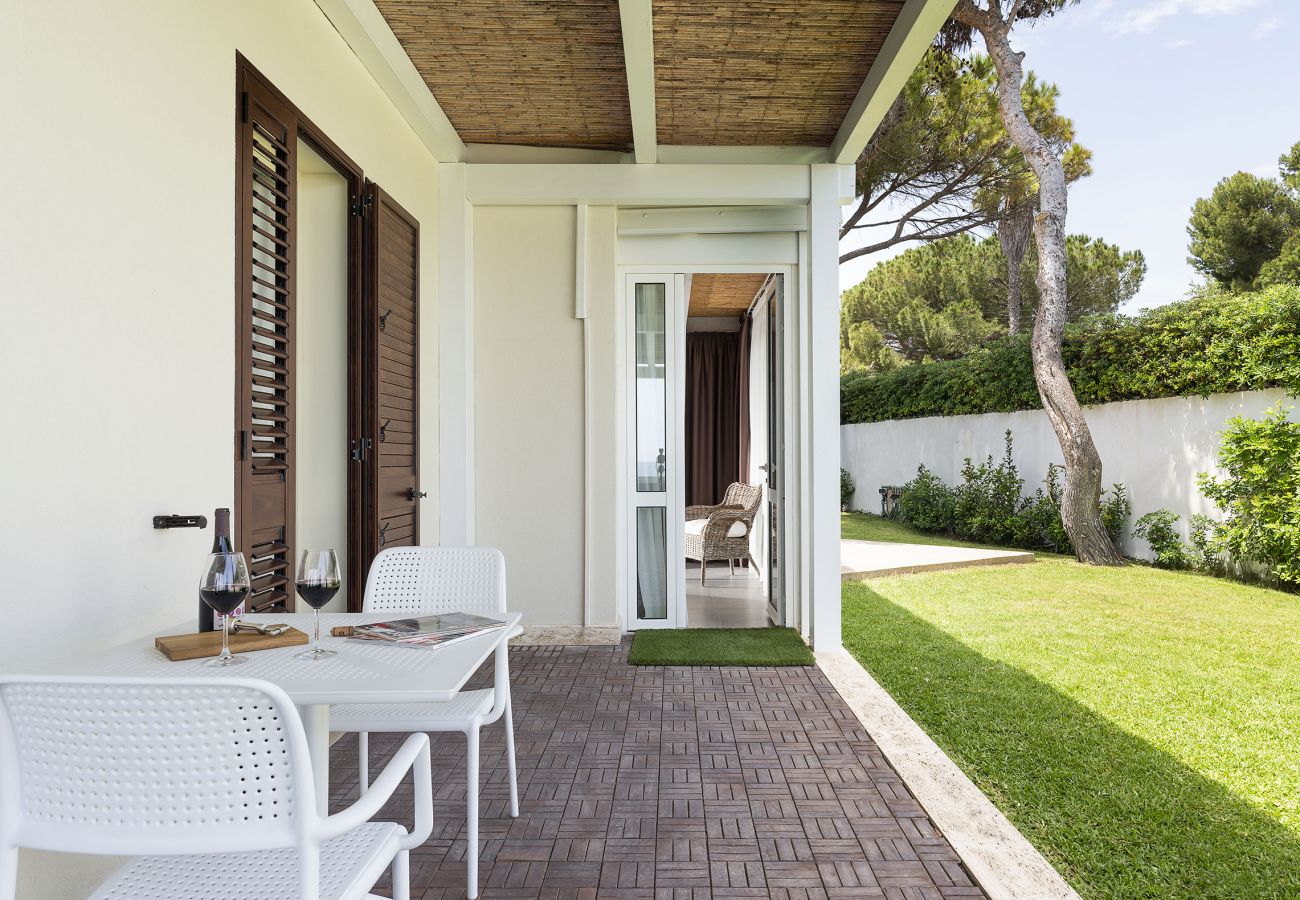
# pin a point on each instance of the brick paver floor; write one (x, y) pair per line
(674, 784)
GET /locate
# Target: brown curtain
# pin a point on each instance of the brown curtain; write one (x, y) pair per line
(713, 414)
(742, 388)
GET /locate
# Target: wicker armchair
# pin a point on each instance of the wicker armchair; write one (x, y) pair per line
(722, 531)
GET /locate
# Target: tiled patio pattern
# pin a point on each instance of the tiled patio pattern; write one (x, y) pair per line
(676, 784)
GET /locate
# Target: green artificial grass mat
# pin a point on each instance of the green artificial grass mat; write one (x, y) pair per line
(719, 647)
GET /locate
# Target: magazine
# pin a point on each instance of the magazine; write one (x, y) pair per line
(427, 631)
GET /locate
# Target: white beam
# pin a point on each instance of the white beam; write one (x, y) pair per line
(712, 220)
(605, 185)
(914, 30)
(679, 154)
(455, 358)
(639, 61)
(580, 263)
(823, 457)
(757, 154)
(366, 31)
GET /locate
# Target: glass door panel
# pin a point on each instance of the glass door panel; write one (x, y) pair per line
(656, 333)
(651, 380)
(651, 563)
(776, 451)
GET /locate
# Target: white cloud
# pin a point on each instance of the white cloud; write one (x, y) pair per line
(1179, 43)
(1147, 16)
(1271, 24)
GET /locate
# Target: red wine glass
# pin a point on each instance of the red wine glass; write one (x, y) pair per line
(317, 581)
(224, 587)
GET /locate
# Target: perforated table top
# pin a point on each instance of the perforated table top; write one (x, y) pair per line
(359, 673)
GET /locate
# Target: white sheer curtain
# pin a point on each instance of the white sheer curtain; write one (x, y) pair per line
(651, 563)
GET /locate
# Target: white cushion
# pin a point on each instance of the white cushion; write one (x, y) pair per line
(696, 527)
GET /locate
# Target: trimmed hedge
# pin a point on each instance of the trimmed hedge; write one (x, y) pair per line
(1211, 344)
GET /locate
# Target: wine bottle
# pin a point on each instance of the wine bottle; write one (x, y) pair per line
(208, 618)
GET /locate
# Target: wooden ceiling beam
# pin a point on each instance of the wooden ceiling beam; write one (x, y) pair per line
(635, 19)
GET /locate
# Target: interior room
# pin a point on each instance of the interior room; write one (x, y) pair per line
(321, 341)
(729, 501)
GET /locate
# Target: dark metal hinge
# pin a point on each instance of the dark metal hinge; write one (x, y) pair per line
(363, 204)
(243, 107)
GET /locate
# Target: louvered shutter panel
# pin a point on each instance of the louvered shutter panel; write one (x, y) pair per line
(267, 173)
(393, 245)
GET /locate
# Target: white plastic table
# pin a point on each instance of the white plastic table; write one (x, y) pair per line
(359, 673)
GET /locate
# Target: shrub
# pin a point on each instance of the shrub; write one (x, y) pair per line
(1259, 495)
(1214, 343)
(848, 487)
(1204, 556)
(989, 506)
(1157, 529)
(1115, 510)
(926, 502)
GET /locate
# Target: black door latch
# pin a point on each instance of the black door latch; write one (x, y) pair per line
(178, 521)
(412, 494)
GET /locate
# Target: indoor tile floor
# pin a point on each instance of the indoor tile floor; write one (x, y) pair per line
(675, 784)
(725, 600)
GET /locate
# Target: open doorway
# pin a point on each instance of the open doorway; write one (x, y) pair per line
(320, 355)
(731, 419)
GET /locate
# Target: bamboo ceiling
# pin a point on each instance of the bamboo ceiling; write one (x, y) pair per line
(723, 295)
(546, 73)
(782, 72)
(550, 73)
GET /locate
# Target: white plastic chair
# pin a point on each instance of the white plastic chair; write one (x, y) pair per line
(211, 778)
(425, 581)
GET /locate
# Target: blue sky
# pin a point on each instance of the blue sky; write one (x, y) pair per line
(1171, 96)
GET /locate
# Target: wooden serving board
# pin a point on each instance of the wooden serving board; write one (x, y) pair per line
(196, 646)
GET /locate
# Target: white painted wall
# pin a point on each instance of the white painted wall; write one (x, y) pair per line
(602, 336)
(1154, 447)
(118, 311)
(529, 407)
(321, 344)
(117, 315)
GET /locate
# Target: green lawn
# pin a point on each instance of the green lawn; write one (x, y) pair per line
(1140, 727)
(866, 527)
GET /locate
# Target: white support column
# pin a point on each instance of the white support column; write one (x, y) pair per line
(455, 358)
(799, 534)
(823, 457)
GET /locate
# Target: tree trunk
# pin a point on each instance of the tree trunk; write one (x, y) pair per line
(1014, 230)
(1081, 498)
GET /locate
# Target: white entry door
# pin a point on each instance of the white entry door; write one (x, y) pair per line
(656, 338)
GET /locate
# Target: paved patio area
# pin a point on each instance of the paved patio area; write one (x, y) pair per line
(877, 559)
(676, 784)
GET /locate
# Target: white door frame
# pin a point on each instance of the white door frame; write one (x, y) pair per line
(795, 614)
(671, 498)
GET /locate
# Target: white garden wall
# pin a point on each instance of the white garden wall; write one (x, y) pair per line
(1154, 447)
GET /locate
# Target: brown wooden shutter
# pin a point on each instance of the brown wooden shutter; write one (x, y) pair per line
(392, 292)
(265, 294)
